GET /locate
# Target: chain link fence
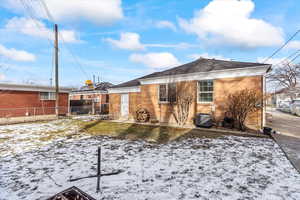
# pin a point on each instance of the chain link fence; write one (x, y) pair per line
(29, 114)
(96, 109)
(31, 111)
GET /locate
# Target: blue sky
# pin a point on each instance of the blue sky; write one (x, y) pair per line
(121, 40)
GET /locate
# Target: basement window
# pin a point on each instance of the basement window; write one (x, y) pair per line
(48, 96)
(167, 93)
(205, 91)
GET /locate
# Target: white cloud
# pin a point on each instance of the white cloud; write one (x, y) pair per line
(181, 45)
(17, 55)
(155, 60)
(2, 77)
(206, 55)
(273, 61)
(229, 22)
(38, 29)
(100, 12)
(293, 44)
(166, 24)
(130, 41)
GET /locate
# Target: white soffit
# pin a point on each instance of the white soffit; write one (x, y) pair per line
(124, 90)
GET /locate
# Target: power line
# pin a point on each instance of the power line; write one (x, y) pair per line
(73, 55)
(29, 9)
(43, 3)
(291, 38)
(287, 59)
(295, 57)
(50, 17)
(298, 51)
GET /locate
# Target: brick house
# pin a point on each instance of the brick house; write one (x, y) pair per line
(90, 99)
(209, 81)
(286, 95)
(18, 100)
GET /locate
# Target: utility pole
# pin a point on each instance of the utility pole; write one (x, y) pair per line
(56, 70)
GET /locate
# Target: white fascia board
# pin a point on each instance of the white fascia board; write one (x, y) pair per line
(218, 74)
(74, 93)
(124, 90)
(32, 88)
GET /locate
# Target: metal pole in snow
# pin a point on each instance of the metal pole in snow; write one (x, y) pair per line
(99, 169)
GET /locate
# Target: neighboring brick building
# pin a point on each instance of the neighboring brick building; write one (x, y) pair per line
(90, 99)
(208, 80)
(27, 100)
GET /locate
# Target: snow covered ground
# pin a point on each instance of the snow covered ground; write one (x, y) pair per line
(225, 168)
(18, 138)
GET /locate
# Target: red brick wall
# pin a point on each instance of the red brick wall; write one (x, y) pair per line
(18, 103)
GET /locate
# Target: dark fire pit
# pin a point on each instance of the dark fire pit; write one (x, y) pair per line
(72, 193)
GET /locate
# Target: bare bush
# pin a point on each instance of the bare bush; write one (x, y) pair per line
(182, 104)
(242, 103)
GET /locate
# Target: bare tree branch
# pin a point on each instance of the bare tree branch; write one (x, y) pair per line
(287, 76)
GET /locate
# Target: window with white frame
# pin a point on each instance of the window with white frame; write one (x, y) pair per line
(167, 92)
(205, 91)
(47, 95)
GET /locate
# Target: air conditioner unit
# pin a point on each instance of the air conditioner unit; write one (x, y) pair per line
(203, 120)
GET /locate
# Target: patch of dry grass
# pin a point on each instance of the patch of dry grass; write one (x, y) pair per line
(150, 133)
(6, 131)
(130, 131)
(3, 139)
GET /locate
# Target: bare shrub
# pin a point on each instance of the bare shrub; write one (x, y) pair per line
(182, 104)
(242, 103)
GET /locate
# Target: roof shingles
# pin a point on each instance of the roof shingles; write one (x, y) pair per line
(199, 65)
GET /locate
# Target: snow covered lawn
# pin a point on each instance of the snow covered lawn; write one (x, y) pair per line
(225, 168)
(18, 138)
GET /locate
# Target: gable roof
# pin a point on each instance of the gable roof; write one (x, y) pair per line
(98, 87)
(132, 83)
(199, 65)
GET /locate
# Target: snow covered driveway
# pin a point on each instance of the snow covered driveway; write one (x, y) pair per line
(224, 168)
